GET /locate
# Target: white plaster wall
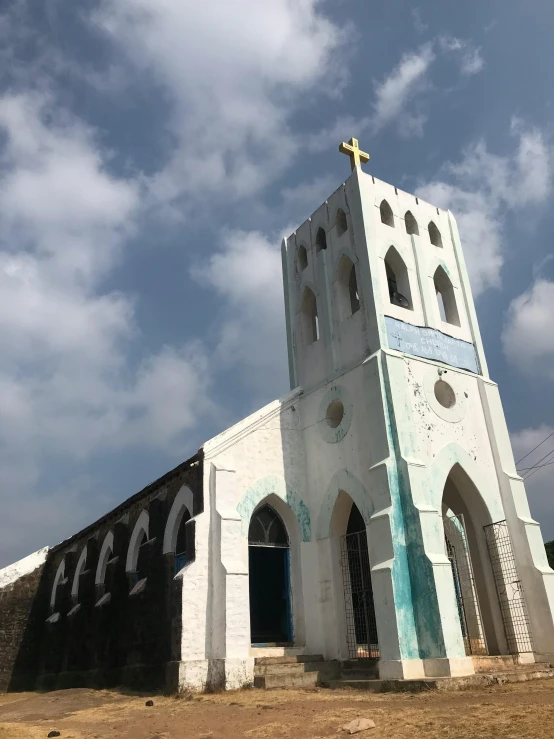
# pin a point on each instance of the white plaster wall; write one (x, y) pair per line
(25, 566)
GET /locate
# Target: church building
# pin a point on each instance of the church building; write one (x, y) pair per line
(374, 513)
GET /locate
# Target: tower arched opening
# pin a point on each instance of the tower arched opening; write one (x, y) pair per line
(446, 299)
(310, 319)
(386, 214)
(411, 224)
(434, 235)
(341, 224)
(398, 280)
(302, 258)
(347, 288)
(320, 240)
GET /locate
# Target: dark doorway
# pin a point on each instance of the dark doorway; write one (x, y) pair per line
(268, 561)
(361, 624)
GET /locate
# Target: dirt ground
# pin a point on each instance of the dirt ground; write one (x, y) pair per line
(520, 711)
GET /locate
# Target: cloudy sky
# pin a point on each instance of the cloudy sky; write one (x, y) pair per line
(152, 155)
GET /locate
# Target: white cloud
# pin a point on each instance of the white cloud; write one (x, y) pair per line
(67, 387)
(246, 273)
(394, 93)
(401, 95)
(234, 73)
(482, 188)
(527, 336)
(468, 56)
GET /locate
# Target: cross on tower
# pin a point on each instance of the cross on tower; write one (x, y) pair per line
(354, 152)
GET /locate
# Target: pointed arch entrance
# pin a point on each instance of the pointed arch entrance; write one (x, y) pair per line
(465, 515)
(361, 624)
(269, 578)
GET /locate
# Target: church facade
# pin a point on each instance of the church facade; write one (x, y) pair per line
(374, 512)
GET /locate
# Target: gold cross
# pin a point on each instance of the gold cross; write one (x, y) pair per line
(356, 155)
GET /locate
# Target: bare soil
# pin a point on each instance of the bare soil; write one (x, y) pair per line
(515, 711)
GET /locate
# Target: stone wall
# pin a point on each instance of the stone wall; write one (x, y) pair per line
(16, 602)
(123, 630)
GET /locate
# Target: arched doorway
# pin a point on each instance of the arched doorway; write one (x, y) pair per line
(361, 624)
(464, 516)
(269, 578)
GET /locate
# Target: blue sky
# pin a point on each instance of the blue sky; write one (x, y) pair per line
(152, 156)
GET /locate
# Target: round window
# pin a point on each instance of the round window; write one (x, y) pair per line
(335, 413)
(445, 394)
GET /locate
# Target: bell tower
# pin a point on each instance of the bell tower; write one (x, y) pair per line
(381, 320)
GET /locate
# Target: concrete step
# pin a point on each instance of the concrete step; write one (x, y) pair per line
(360, 669)
(290, 680)
(288, 659)
(443, 683)
(506, 663)
(294, 668)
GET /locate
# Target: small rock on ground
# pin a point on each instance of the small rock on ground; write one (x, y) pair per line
(149, 703)
(54, 733)
(358, 724)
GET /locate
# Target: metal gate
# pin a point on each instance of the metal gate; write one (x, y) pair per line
(509, 588)
(361, 626)
(457, 550)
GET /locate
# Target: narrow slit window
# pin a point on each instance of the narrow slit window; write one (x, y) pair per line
(398, 280)
(310, 319)
(353, 291)
(386, 214)
(320, 240)
(302, 259)
(346, 289)
(446, 298)
(340, 222)
(411, 224)
(434, 235)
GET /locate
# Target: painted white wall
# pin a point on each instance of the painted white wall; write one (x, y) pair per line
(12, 573)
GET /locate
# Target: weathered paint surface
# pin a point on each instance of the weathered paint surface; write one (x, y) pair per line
(272, 485)
(28, 564)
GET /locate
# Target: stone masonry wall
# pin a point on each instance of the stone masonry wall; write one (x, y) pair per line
(16, 601)
(111, 633)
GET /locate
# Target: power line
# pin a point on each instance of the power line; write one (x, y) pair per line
(536, 467)
(536, 470)
(533, 449)
(542, 458)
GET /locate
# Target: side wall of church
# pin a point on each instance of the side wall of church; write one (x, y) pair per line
(72, 628)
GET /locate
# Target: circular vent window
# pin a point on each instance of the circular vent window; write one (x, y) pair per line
(445, 394)
(335, 413)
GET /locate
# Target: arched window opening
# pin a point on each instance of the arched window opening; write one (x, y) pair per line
(446, 298)
(136, 543)
(142, 559)
(411, 224)
(302, 260)
(386, 214)
(105, 555)
(353, 290)
(321, 240)
(267, 529)
(59, 580)
(340, 222)
(310, 321)
(269, 578)
(434, 235)
(81, 564)
(347, 295)
(181, 543)
(398, 280)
